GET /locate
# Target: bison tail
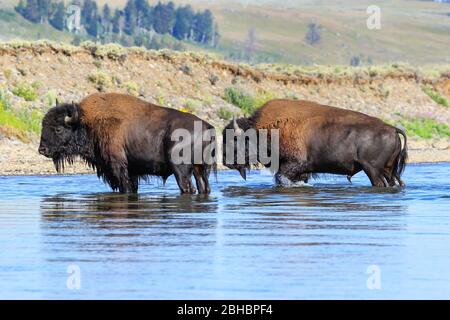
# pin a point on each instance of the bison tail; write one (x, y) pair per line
(214, 169)
(400, 162)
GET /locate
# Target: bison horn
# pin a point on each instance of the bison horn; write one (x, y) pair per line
(68, 120)
(236, 126)
(72, 119)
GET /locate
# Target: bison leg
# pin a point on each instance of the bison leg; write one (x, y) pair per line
(293, 171)
(400, 182)
(375, 175)
(183, 174)
(133, 183)
(389, 169)
(201, 175)
(389, 177)
(121, 179)
(205, 175)
(396, 177)
(128, 185)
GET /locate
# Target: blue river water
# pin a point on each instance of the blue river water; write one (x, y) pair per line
(68, 237)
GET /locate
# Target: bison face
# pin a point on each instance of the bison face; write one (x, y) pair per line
(233, 151)
(58, 137)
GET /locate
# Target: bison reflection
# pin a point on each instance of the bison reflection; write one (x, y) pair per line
(110, 205)
(124, 139)
(112, 211)
(320, 139)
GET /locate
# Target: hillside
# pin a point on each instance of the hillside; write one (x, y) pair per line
(13, 26)
(416, 32)
(412, 31)
(34, 74)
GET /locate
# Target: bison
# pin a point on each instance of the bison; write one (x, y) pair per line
(125, 139)
(315, 138)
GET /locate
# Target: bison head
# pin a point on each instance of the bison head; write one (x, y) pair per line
(60, 137)
(238, 144)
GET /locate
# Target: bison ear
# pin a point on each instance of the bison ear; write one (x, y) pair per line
(72, 115)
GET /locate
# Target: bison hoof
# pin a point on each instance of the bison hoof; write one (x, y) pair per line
(191, 190)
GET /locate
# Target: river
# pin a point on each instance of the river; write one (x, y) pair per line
(68, 237)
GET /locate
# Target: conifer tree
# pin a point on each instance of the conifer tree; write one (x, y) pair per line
(203, 26)
(139, 20)
(164, 17)
(31, 11)
(184, 21)
(57, 19)
(130, 12)
(20, 8)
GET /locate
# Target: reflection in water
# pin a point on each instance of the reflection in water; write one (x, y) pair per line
(284, 203)
(106, 213)
(114, 204)
(337, 198)
(245, 240)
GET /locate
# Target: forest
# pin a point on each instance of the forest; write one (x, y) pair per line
(134, 25)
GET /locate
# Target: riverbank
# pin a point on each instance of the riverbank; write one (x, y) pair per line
(33, 75)
(19, 158)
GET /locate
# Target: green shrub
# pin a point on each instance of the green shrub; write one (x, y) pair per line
(50, 98)
(160, 98)
(9, 119)
(4, 101)
(425, 128)
(36, 85)
(31, 118)
(262, 98)
(21, 122)
(191, 106)
(131, 87)
(100, 78)
(240, 99)
(247, 103)
(225, 114)
(436, 96)
(28, 92)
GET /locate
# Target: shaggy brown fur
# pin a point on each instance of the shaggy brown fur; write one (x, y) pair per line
(315, 138)
(124, 138)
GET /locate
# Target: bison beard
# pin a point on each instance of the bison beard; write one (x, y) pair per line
(124, 139)
(82, 148)
(320, 139)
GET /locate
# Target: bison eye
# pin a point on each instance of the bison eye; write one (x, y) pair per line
(59, 130)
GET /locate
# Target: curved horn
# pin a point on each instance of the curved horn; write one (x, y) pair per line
(74, 117)
(57, 101)
(236, 126)
(68, 120)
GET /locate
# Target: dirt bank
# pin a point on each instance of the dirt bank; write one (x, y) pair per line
(196, 83)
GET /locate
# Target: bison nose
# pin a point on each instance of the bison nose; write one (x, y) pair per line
(43, 150)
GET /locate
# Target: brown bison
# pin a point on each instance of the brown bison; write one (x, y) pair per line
(315, 138)
(124, 139)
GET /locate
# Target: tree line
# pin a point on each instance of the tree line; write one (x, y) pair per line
(137, 22)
